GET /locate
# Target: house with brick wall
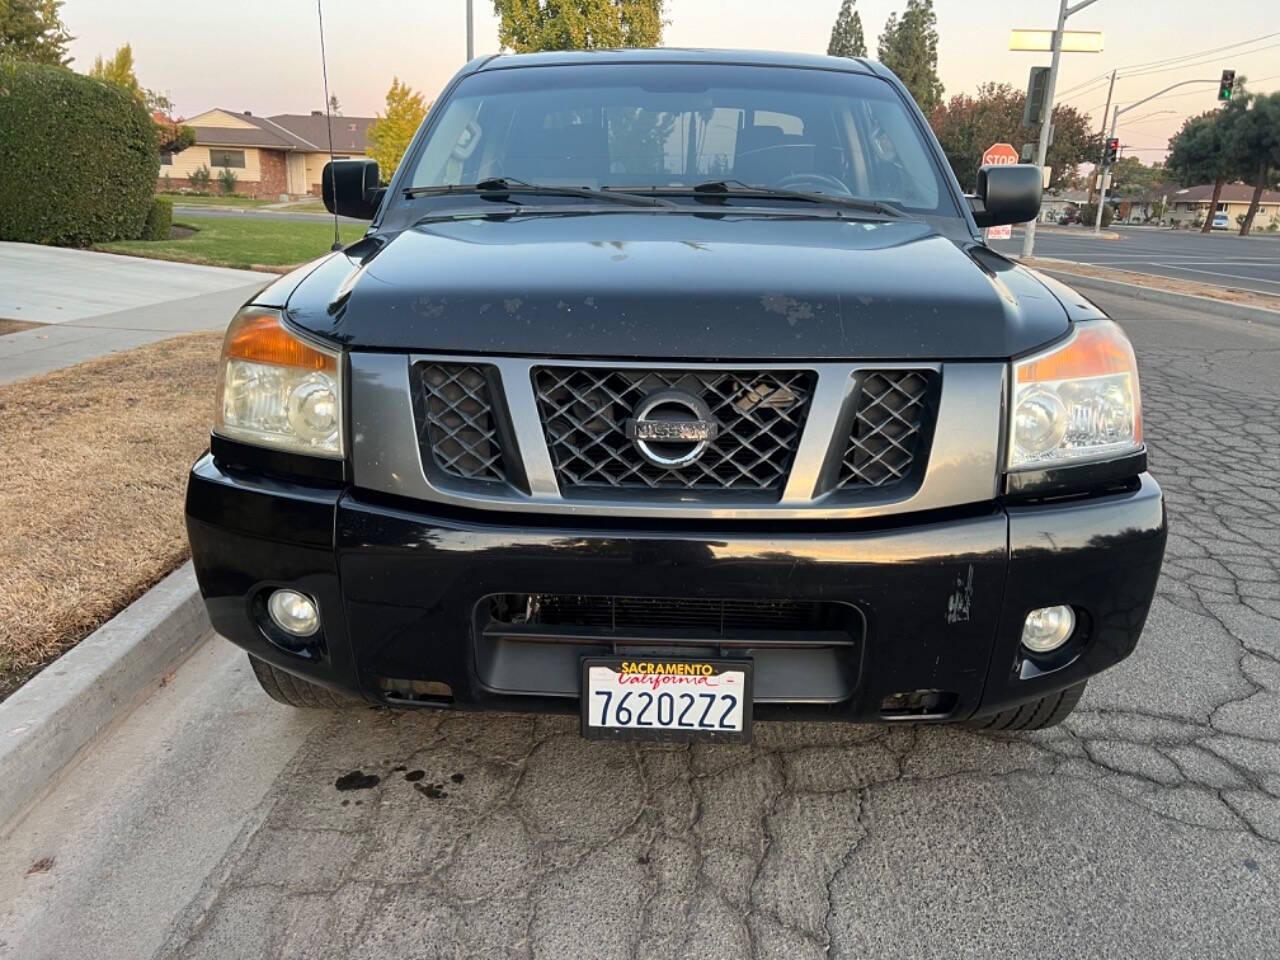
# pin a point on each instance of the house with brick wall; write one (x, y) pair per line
(279, 156)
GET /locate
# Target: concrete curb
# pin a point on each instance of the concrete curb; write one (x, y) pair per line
(1187, 301)
(47, 722)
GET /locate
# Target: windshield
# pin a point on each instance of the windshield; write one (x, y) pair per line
(659, 126)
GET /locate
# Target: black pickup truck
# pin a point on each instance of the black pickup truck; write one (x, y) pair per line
(678, 389)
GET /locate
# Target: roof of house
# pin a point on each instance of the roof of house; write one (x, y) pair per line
(1231, 193)
(350, 134)
(288, 131)
(264, 133)
(1067, 195)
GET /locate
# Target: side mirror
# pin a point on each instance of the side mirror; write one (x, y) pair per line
(1007, 194)
(350, 188)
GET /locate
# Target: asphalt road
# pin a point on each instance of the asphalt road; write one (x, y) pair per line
(1225, 260)
(208, 824)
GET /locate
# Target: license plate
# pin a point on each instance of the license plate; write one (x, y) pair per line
(645, 698)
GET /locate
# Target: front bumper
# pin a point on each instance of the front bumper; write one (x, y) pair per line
(942, 597)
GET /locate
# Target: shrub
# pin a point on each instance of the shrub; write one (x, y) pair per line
(199, 178)
(167, 183)
(159, 223)
(1089, 211)
(80, 159)
(227, 180)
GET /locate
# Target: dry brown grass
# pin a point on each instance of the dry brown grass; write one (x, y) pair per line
(93, 465)
(13, 326)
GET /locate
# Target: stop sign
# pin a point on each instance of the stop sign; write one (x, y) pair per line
(1000, 153)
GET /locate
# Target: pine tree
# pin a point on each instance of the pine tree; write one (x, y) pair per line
(909, 47)
(846, 35)
(390, 133)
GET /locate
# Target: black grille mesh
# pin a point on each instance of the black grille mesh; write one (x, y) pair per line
(657, 614)
(584, 413)
(892, 413)
(457, 423)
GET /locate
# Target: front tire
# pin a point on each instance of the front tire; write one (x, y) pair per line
(293, 691)
(1037, 715)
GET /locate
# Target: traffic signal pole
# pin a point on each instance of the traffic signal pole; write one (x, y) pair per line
(1115, 118)
(1064, 11)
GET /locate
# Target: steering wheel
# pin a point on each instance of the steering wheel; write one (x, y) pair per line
(828, 184)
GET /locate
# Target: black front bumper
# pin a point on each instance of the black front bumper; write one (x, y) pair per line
(942, 598)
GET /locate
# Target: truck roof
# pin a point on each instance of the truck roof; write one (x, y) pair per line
(764, 58)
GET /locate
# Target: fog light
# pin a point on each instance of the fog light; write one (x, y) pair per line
(1048, 628)
(293, 612)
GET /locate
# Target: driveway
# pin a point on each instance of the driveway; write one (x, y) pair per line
(89, 304)
(210, 824)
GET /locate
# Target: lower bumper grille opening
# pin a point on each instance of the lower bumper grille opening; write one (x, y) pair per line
(728, 624)
(533, 643)
(430, 693)
(918, 704)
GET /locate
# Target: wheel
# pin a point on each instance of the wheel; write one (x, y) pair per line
(1037, 715)
(295, 692)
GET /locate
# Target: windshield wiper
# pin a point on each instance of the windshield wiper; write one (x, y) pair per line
(501, 188)
(716, 189)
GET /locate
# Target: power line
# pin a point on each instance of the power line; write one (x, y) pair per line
(1198, 63)
(1139, 69)
(1198, 53)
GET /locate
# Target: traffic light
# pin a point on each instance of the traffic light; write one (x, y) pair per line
(1226, 85)
(1113, 151)
(1037, 86)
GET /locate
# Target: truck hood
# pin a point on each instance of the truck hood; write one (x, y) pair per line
(714, 286)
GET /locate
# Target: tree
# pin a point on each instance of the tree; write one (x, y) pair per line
(909, 47)
(1198, 153)
(846, 35)
(527, 26)
(119, 70)
(966, 126)
(335, 105)
(1130, 177)
(390, 133)
(171, 135)
(32, 30)
(1254, 140)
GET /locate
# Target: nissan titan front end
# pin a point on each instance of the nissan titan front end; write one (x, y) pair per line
(678, 390)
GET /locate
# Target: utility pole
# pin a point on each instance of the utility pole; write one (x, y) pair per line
(1064, 11)
(1115, 119)
(471, 31)
(1103, 132)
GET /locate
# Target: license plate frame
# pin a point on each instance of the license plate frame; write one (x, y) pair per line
(676, 734)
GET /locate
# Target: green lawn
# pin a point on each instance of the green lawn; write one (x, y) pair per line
(242, 242)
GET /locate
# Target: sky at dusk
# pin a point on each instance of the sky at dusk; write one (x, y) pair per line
(264, 56)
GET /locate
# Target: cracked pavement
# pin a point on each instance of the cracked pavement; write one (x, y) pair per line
(1147, 825)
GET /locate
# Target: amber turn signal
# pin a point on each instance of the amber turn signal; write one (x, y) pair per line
(261, 337)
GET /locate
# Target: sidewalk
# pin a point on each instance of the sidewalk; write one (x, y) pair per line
(90, 304)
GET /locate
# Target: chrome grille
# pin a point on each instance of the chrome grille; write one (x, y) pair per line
(888, 424)
(457, 421)
(760, 416)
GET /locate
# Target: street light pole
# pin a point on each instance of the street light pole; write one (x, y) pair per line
(1046, 122)
(1115, 117)
(471, 32)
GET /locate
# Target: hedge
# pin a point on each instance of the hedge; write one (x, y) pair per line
(80, 158)
(159, 223)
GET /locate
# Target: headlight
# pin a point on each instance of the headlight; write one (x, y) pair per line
(1078, 401)
(277, 390)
